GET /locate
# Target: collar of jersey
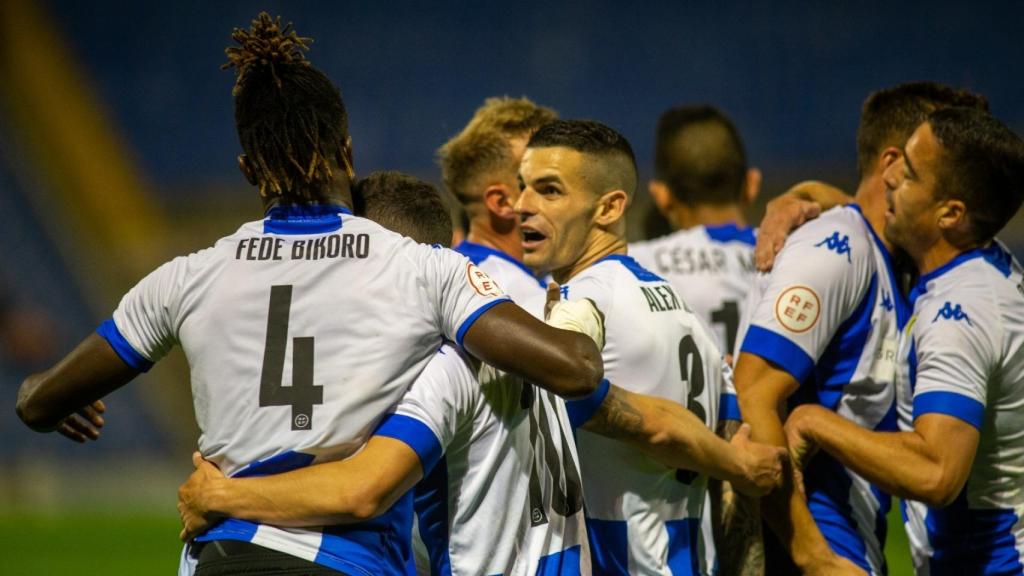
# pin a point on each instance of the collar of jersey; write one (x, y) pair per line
(477, 253)
(902, 305)
(641, 273)
(993, 254)
(731, 232)
(304, 218)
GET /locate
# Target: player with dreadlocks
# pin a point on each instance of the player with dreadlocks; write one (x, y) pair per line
(303, 328)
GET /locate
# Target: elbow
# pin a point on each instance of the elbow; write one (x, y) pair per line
(586, 369)
(365, 503)
(29, 408)
(938, 491)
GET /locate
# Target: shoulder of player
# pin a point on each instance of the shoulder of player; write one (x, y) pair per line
(968, 297)
(841, 231)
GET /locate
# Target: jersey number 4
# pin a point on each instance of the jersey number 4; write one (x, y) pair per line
(302, 395)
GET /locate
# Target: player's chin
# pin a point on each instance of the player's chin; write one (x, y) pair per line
(534, 259)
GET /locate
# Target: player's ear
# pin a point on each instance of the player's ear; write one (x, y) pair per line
(345, 158)
(245, 166)
(611, 207)
(951, 216)
(889, 157)
(661, 196)
(751, 186)
(499, 202)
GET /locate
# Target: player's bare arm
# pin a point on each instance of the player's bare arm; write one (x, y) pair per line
(762, 390)
(736, 522)
(509, 338)
(929, 464)
(348, 491)
(675, 437)
(788, 211)
(66, 397)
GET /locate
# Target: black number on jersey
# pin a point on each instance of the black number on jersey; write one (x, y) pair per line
(302, 395)
(691, 369)
(567, 488)
(729, 316)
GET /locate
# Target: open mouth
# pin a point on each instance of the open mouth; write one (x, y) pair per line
(532, 238)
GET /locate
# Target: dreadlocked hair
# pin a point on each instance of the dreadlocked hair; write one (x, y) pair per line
(290, 118)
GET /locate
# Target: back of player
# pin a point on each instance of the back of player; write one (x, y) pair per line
(505, 497)
(641, 516)
(293, 358)
(829, 315)
(964, 351)
(711, 268)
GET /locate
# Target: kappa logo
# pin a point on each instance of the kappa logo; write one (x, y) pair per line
(949, 312)
(481, 282)
(798, 309)
(564, 289)
(836, 244)
(887, 301)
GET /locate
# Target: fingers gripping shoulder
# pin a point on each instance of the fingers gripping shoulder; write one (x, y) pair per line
(579, 316)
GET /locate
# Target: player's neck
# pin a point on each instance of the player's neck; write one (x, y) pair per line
(509, 243)
(338, 194)
(870, 197)
(687, 216)
(937, 255)
(600, 244)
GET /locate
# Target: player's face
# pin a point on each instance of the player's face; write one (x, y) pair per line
(911, 222)
(556, 208)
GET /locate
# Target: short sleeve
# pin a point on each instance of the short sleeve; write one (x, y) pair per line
(429, 414)
(729, 406)
(144, 325)
(458, 289)
(954, 358)
(819, 279)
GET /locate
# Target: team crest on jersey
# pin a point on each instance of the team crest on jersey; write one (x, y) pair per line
(837, 244)
(481, 282)
(798, 308)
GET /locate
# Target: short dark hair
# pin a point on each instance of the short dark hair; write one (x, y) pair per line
(404, 204)
(291, 120)
(699, 155)
(982, 165)
(891, 115)
(617, 159)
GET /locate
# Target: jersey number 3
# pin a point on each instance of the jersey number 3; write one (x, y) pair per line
(302, 395)
(691, 368)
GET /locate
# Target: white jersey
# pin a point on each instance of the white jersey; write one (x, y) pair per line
(514, 278)
(711, 267)
(964, 351)
(642, 517)
(301, 331)
(505, 497)
(829, 314)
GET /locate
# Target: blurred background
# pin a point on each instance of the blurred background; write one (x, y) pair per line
(117, 152)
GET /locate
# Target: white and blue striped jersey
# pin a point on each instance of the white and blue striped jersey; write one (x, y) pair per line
(964, 357)
(501, 492)
(643, 517)
(518, 281)
(301, 331)
(829, 314)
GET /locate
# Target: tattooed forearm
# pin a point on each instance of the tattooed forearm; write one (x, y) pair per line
(617, 418)
(736, 522)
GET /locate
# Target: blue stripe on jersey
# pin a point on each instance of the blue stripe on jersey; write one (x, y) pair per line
(304, 218)
(564, 563)
(951, 404)
(967, 541)
(828, 488)
(609, 546)
(778, 350)
(477, 253)
(431, 504)
(902, 306)
(839, 361)
(582, 410)
(912, 364)
(416, 435)
(683, 546)
(731, 233)
(108, 330)
(642, 274)
(276, 464)
(729, 407)
(472, 317)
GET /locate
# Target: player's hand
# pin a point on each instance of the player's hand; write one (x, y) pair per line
(801, 446)
(193, 498)
(782, 215)
(762, 464)
(84, 424)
